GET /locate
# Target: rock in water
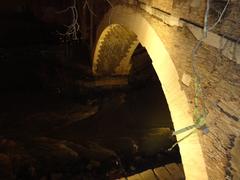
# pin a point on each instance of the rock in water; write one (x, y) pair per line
(122, 145)
(5, 166)
(100, 153)
(53, 154)
(156, 141)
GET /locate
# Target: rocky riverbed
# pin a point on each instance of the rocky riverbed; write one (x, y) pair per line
(54, 127)
(105, 135)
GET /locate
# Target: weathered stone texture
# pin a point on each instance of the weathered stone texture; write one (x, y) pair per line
(185, 9)
(112, 53)
(229, 24)
(220, 82)
(161, 4)
(194, 11)
(168, 172)
(221, 91)
(233, 169)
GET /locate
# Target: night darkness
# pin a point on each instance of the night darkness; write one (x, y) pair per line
(53, 126)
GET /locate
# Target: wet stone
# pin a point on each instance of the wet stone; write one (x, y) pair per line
(5, 166)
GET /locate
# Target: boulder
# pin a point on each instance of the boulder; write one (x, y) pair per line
(156, 141)
(5, 166)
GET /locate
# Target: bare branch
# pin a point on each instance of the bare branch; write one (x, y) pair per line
(86, 4)
(73, 28)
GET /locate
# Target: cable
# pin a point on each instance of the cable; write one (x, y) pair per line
(199, 116)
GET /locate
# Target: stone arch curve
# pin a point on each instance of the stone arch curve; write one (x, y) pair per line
(118, 35)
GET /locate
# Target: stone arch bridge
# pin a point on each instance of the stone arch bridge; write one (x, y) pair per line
(169, 42)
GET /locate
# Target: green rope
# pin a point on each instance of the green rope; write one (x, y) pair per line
(199, 117)
(176, 143)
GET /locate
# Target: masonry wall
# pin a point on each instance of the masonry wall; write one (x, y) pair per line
(220, 81)
(186, 9)
(194, 11)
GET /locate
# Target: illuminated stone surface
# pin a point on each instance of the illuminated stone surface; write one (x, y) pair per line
(170, 48)
(168, 172)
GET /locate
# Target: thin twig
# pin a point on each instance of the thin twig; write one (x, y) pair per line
(110, 3)
(86, 4)
(206, 18)
(73, 28)
(220, 17)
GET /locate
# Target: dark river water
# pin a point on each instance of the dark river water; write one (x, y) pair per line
(86, 134)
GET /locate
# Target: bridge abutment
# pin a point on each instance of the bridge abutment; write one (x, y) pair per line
(204, 156)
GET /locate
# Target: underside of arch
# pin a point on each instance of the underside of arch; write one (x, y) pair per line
(113, 51)
(118, 35)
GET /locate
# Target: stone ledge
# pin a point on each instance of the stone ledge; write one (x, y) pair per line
(105, 82)
(230, 48)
